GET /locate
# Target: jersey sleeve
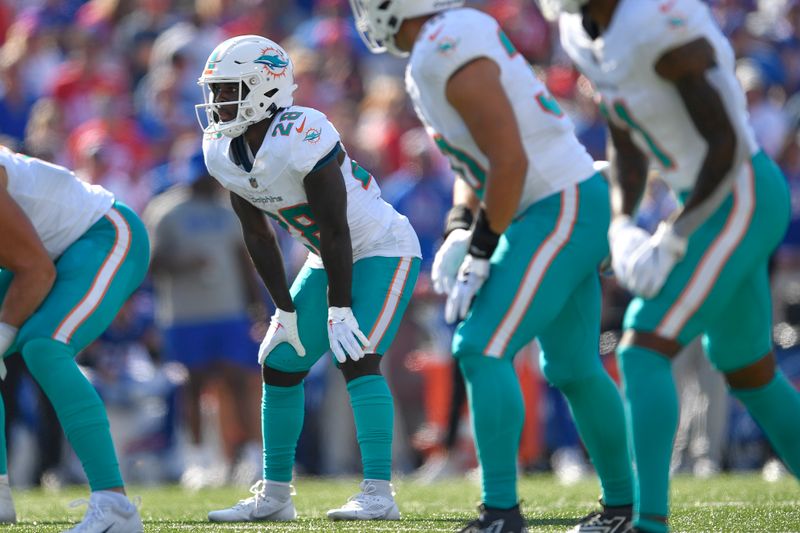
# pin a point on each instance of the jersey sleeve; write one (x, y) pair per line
(312, 140)
(460, 38)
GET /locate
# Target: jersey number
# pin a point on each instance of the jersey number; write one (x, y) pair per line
(286, 123)
(299, 217)
(361, 175)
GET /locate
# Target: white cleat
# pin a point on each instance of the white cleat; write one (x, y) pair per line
(367, 505)
(257, 508)
(106, 514)
(7, 513)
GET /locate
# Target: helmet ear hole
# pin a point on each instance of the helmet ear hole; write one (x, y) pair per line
(270, 93)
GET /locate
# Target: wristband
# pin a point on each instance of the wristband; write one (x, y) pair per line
(459, 217)
(484, 240)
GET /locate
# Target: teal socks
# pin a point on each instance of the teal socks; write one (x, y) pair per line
(776, 408)
(495, 400)
(373, 412)
(282, 412)
(652, 405)
(597, 409)
(79, 409)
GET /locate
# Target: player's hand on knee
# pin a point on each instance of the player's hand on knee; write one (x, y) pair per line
(344, 334)
(651, 263)
(282, 328)
(448, 259)
(471, 276)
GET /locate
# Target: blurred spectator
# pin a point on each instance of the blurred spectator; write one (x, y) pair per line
(203, 288)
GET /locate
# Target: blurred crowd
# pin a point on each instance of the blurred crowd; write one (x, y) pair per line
(108, 88)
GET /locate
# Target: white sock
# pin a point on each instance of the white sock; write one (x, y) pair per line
(278, 490)
(382, 487)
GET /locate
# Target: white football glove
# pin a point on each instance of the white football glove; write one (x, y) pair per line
(650, 265)
(471, 276)
(448, 258)
(345, 335)
(282, 328)
(624, 238)
(7, 335)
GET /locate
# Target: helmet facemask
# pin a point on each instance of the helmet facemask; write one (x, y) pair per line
(246, 112)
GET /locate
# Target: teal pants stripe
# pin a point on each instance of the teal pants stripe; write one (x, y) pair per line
(94, 278)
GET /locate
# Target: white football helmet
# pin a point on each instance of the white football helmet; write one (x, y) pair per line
(552, 8)
(379, 20)
(265, 76)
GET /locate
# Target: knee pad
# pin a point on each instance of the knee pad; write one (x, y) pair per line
(369, 365)
(278, 378)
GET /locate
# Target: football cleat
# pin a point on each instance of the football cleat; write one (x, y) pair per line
(107, 514)
(367, 505)
(257, 508)
(609, 520)
(497, 521)
(7, 513)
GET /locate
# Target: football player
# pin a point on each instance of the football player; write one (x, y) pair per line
(524, 239)
(287, 162)
(69, 258)
(666, 76)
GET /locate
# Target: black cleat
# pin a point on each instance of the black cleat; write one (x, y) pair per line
(497, 521)
(609, 520)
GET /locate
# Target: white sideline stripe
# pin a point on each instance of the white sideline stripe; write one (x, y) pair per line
(101, 281)
(535, 272)
(391, 302)
(714, 259)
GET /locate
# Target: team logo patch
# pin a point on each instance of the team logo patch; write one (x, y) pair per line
(313, 136)
(446, 45)
(274, 62)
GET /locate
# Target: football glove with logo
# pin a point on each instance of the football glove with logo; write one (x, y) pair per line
(650, 264)
(282, 328)
(344, 334)
(447, 260)
(471, 276)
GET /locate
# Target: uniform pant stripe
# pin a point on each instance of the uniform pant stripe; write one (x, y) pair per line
(102, 280)
(707, 272)
(390, 303)
(536, 270)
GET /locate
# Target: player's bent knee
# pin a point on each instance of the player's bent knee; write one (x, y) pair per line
(653, 342)
(756, 375)
(369, 365)
(278, 378)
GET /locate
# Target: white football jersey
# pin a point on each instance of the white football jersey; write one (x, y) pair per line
(621, 64)
(60, 206)
(456, 37)
(298, 139)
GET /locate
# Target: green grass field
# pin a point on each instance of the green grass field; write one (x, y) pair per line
(729, 503)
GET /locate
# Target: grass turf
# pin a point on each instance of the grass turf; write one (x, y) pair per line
(741, 503)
